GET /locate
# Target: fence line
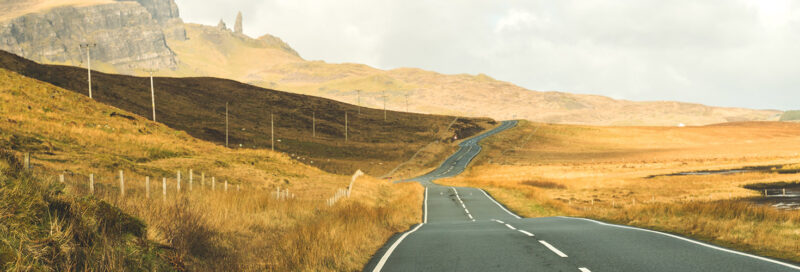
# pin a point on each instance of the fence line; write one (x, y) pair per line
(124, 189)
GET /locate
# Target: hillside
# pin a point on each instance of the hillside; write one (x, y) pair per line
(44, 229)
(197, 50)
(791, 116)
(197, 106)
(211, 51)
(227, 219)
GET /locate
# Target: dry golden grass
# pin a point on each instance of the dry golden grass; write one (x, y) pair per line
(602, 172)
(245, 228)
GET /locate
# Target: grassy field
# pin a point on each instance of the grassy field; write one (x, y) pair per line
(345, 139)
(622, 175)
(203, 229)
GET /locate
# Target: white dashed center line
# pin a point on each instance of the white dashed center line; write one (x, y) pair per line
(526, 233)
(584, 269)
(553, 249)
(462, 204)
(511, 227)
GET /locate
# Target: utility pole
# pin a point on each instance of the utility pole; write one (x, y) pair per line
(152, 92)
(314, 124)
(272, 129)
(359, 101)
(89, 47)
(226, 124)
(345, 126)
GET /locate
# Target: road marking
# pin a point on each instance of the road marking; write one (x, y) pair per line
(462, 204)
(501, 222)
(691, 241)
(553, 249)
(526, 233)
(584, 269)
(498, 204)
(385, 257)
(425, 210)
(511, 227)
(391, 249)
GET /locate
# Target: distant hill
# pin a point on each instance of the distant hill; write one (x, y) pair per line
(430, 92)
(197, 106)
(199, 50)
(791, 116)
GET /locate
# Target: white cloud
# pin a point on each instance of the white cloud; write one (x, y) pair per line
(514, 20)
(718, 52)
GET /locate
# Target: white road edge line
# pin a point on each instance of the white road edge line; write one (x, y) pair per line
(498, 204)
(584, 269)
(553, 249)
(526, 233)
(511, 227)
(388, 253)
(425, 212)
(691, 241)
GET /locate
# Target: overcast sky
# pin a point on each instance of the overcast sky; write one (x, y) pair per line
(743, 53)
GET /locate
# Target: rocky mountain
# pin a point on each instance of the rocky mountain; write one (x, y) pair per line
(127, 34)
(150, 34)
(211, 51)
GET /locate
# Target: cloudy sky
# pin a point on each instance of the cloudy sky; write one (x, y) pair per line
(743, 53)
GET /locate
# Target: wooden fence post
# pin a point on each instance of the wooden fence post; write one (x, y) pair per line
(27, 161)
(164, 189)
(61, 178)
(91, 183)
(202, 180)
(191, 180)
(121, 184)
(213, 183)
(179, 181)
(226, 186)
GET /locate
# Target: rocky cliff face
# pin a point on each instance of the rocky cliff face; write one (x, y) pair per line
(128, 34)
(167, 14)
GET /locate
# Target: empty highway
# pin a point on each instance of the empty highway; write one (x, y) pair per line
(465, 229)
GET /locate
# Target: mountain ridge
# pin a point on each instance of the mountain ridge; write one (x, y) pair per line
(270, 62)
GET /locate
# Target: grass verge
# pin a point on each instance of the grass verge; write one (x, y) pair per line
(603, 173)
(204, 226)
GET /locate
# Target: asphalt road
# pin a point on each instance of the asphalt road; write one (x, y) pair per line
(465, 229)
